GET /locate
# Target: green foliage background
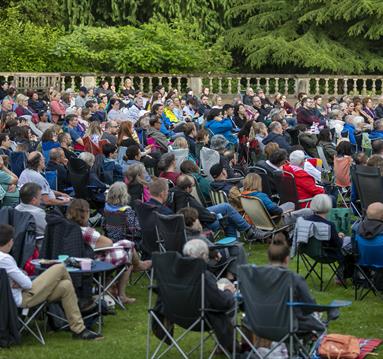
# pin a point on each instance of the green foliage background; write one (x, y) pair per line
(321, 36)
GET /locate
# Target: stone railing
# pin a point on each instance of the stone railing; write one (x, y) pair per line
(227, 84)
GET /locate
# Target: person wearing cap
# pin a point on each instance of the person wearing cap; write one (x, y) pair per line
(219, 175)
(80, 100)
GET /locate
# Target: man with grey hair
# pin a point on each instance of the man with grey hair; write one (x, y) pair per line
(135, 110)
(57, 162)
(276, 135)
(298, 158)
(220, 300)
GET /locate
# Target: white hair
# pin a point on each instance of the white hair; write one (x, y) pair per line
(321, 203)
(297, 157)
(118, 194)
(88, 158)
(196, 248)
(357, 120)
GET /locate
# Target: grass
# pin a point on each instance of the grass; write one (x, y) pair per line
(125, 333)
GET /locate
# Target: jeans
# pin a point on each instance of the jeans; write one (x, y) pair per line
(235, 220)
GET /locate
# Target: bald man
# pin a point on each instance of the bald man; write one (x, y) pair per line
(372, 224)
(35, 165)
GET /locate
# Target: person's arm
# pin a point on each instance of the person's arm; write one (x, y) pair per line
(53, 201)
(103, 241)
(15, 274)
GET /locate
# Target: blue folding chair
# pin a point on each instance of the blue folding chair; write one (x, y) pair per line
(51, 177)
(370, 258)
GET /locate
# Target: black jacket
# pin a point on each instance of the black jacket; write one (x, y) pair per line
(182, 199)
(370, 228)
(9, 333)
(25, 233)
(221, 186)
(63, 180)
(279, 139)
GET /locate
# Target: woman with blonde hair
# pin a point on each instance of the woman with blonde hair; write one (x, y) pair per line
(57, 107)
(94, 132)
(124, 255)
(22, 106)
(216, 101)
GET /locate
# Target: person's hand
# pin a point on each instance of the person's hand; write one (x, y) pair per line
(341, 235)
(230, 287)
(218, 256)
(12, 188)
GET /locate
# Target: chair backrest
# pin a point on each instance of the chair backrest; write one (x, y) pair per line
(342, 174)
(322, 156)
(115, 225)
(208, 159)
(370, 251)
(266, 291)
(179, 281)
(181, 154)
(147, 218)
(121, 154)
(257, 212)
(171, 231)
(286, 188)
(313, 248)
(79, 177)
(218, 197)
(369, 184)
(51, 177)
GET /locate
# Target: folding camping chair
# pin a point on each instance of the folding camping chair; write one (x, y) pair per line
(342, 181)
(208, 158)
(179, 280)
(313, 254)
(370, 259)
(171, 233)
(287, 190)
(261, 218)
(267, 294)
(26, 317)
(218, 197)
(51, 177)
(116, 223)
(266, 186)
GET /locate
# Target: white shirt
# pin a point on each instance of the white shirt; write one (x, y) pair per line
(15, 275)
(29, 175)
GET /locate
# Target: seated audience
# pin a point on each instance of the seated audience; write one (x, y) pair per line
(9, 193)
(167, 166)
(159, 194)
(57, 162)
(136, 182)
(276, 135)
(53, 285)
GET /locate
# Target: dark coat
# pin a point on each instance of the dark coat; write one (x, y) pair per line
(279, 139)
(9, 333)
(63, 180)
(25, 233)
(182, 199)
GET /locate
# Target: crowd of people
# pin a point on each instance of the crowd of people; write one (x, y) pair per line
(137, 148)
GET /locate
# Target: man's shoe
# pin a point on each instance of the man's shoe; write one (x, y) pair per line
(86, 305)
(254, 234)
(87, 335)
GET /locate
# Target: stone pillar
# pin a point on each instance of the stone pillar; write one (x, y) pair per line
(90, 81)
(302, 85)
(195, 83)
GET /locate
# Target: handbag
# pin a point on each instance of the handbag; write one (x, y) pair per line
(338, 346)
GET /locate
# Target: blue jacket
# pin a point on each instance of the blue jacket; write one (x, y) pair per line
(271, 207)
(376, 135)
(351, 132)
(224, 127)
(165, 125)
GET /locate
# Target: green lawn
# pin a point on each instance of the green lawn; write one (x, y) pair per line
(125, 333)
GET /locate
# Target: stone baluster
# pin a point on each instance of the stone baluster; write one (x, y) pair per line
(326, 86)
(364, 89)
(317, 79)
(267, 86)
(160, 80)
(276, 89)
(141, 84)
(150, 84)
(82, 81)
(72, 84)
(62, 83)
(258, 82)
(335, 86)
(211, 84)
(179, 83)
(373, 87)
(220, 85)
(238, 84)
(286, 86)
(345, 89)
(169, 82)
(229, 85)
(113, 81)
(247, 82)
(355, 86)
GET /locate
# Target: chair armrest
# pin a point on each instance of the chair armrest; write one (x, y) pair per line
(320, 307)
(234, 179)
(305, 200)
(288, 211)
(107, 248)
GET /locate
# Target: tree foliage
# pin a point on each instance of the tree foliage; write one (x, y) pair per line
(338, 36)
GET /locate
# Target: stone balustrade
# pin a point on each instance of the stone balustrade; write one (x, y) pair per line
(225, 84)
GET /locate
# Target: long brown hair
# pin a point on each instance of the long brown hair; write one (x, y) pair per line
(125, 130)
(78, 212)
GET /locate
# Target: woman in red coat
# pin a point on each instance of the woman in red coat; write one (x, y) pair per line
(305, 183)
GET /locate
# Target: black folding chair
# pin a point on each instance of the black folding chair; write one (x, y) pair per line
(266, 186)
(317, 253)
(179, 280)
(369, 185)
(287, 190)
(171, 233)
(267, 294)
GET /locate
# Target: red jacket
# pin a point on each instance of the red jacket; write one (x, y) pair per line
(305, 184)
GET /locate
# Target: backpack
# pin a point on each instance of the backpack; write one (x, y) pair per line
(338, 346)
